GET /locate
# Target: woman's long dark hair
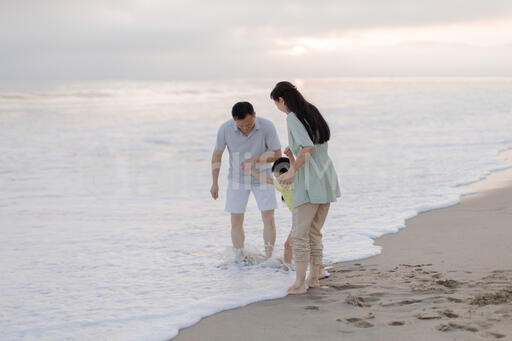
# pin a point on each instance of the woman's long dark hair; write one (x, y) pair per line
(316, 126)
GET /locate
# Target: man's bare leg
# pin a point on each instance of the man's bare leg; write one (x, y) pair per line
(269, 231)
(237, 230)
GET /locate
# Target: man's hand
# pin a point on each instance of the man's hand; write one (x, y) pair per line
(216, 161)
(246, 166)
(215, 191)
(249, 162)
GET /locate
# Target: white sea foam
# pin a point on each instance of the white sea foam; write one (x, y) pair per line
(107, 227)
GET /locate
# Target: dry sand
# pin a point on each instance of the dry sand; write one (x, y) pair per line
(446, 276)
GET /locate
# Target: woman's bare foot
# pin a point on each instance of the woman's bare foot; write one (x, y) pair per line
(313, 282)
(297, 289)
(314, 275)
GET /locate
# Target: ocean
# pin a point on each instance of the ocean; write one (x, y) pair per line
(107, 227)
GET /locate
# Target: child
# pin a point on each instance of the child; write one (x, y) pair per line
(279, 167)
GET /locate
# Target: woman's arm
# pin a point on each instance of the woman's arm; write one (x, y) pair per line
(304, 155)
(286, 179)
(290, 155)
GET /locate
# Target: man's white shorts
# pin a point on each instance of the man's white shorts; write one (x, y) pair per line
(238, 195)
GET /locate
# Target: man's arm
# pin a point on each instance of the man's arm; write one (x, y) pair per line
(269, 156)
(216, 162)
(266, 157)
(248, 168)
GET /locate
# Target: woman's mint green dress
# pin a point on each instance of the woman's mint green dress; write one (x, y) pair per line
(316, 181)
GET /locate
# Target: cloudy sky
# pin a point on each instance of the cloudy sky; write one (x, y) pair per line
(188, 39)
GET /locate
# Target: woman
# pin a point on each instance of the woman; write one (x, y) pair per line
(314, 179)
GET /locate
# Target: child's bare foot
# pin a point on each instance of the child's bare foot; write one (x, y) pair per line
(297, 289)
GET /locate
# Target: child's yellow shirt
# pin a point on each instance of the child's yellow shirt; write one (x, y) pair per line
(287, 194)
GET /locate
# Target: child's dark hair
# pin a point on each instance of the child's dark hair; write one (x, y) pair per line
(241, 110)
(281, 165)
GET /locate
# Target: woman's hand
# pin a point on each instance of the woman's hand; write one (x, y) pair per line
(286, 179)
(288, 152)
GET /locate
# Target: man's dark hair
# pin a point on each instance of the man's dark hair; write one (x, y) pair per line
(242, 109)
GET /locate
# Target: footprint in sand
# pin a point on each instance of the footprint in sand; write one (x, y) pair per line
(312, 307)
(357, 322)
(371, 299)
(446, 327)
(377, 294)
(455, 300)
(396, 323)
(499, 297)
(448, 313)
(449, 283)
(346, 286)
(342, 270)
(493, 335)
(414, 266)
(356, 301)
(401, 303)
(370, 316)
(427, 317)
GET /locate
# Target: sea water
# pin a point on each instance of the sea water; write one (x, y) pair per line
(107, 227)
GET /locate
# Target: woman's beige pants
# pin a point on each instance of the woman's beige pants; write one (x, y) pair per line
(307, 221)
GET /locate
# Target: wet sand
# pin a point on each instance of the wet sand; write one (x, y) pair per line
(446, 276)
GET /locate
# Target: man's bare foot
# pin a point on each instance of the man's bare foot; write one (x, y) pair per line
(296, 289)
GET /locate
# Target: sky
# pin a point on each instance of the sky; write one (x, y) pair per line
(193, 40)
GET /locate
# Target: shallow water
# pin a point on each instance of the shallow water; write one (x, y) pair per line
(107, 226)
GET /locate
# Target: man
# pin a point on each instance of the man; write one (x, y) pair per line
(251, 140)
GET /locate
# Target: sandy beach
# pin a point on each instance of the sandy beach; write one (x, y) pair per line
(446, 276)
